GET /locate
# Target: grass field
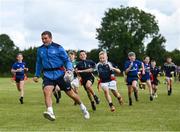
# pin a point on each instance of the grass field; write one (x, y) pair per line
(163, 114)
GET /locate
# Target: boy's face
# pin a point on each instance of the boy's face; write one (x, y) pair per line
(153, 64)
(83, 56)
(19, 57)
(132, 57)
(72, 57)
(102, 58)
(146, 60)
(169, 60)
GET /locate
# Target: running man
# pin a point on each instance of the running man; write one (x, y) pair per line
(169, 69)
(18, 70)
(154, 77)
(108, 82)
(51, 58)
(145, 78)
(132, 67)
(85, 69)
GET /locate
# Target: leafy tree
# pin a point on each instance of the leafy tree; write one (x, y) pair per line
(156, 49)
(126, 29)
(175, 55)
(30, 59)
(8, 51)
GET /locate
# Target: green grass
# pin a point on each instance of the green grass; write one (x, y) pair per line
(163, 114)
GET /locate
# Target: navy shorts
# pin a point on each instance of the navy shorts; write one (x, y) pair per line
(155, 82)
(129, 80)
(144, 79)
(65, 86)
(19, 79)
(84, 81)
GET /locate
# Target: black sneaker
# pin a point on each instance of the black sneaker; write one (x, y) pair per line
(21, 100)
(57, 100)
(169, 92)
(151, 98)
(130, 102)
(93, 106)
(96, 99)
(136, 96)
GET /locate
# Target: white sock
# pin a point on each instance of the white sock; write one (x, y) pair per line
(82, 106)
(50, 109)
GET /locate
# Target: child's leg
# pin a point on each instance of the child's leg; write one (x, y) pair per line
(91, 91)
(134, 86)
(168, 85)
(21, 86)
(129, 94)
(117, 95)
(148, 82)
(18, 86)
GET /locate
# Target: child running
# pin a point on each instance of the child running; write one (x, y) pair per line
(146, 77)
(85, 69)
(132, 67)
(18, 70)
(169, 69)
(106, 71)
(75, 81)
(154, 77)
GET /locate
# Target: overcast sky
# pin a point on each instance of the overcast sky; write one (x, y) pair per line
(74, 22)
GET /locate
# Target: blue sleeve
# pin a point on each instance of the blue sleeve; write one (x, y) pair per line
(139, 63)
(38, 64)
(64, 57)
(14, 66)
(126, 65)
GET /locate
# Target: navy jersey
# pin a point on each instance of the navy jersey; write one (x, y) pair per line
(83, 65)
(134, 69)
(155, 71)
(147, 68)
(104, 71)
(18, 65)
(168, 68)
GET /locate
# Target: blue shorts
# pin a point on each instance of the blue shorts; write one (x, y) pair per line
(144, 79)
(19, 79)
(65, 86)
(129, 80)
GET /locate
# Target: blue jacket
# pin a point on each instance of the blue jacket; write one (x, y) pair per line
(49, 59)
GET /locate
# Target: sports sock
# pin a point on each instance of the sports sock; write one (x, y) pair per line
(50, 109)
(82, 106)
(111, 104)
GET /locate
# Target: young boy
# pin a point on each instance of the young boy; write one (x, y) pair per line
(75, 81)
(85, 69)
(146, 77)
(106, 71)
(131, 70)
(154, 80)
(169, 69)
(18, 70)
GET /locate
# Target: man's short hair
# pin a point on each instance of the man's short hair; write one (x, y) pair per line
(131, 54)
(82, 51)
(47, 33)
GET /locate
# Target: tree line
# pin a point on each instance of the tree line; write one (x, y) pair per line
(122, 30)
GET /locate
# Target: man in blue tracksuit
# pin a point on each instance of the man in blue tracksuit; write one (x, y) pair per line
(51, 60)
